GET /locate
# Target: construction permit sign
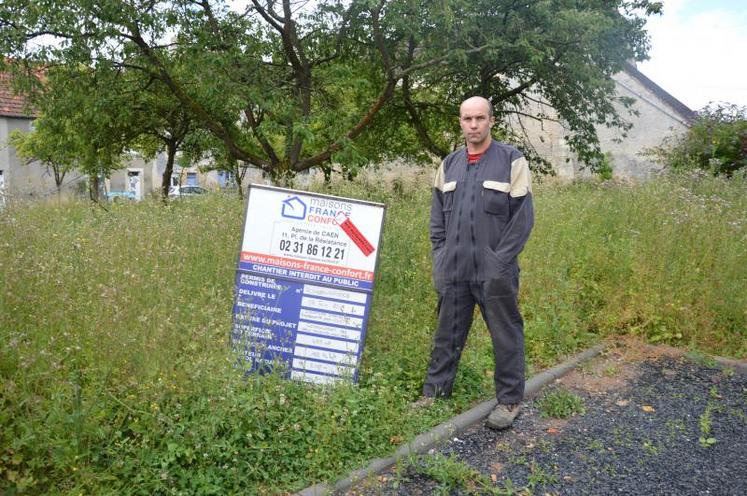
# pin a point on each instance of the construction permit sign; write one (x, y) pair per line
(304, 283)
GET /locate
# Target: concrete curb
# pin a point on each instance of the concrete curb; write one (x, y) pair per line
(461, 422)
(738, 366)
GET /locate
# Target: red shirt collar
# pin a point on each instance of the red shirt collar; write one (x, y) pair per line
(473, 158)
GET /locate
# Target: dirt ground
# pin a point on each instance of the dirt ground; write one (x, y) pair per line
(655, 420)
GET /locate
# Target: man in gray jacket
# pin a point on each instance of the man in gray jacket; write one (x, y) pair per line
(481, 217)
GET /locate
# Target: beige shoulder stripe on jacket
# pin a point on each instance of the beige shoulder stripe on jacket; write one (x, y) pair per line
(440, 178)
(521, 178)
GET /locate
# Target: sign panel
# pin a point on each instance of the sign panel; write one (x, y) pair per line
(304, 283)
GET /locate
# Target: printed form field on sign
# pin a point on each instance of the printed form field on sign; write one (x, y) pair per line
(333, 344)
(300, 375)
(332, 332)
(325, 368)
(333, 306)
(337, 294)
(330, 318)
(329, 356)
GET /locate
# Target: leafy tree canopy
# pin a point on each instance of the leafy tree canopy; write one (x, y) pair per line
(82, 123)
(287, 85)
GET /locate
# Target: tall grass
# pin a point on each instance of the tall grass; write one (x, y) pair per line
(114, 363)
(666, 259)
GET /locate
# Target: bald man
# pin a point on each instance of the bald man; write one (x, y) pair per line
(481, 217)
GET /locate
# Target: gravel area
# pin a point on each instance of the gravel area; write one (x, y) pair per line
(654, 422)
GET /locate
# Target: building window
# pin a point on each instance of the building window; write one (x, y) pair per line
(191, 179)
(225, 179)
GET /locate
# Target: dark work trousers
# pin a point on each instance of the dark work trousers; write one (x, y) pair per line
(497, 299)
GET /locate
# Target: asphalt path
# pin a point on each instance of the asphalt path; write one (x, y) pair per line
(654, 421)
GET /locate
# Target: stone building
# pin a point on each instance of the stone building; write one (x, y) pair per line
(659, 115)
(137, 178)
(17, 179)
(22, 181)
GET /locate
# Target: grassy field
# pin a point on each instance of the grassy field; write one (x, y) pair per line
(115, 370)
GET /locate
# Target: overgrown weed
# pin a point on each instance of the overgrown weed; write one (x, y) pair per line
(115, 369)
(561, 404)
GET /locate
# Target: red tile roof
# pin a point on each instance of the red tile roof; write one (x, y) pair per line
(11, 104)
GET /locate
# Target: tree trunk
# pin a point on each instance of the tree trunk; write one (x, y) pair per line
(93, 189)
(59, 176)
(169, 170)
(239, 178)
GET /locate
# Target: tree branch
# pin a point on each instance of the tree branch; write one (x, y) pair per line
(216, 127)
(339, 38)
(271, 18)
(513, 92)
(417, 123)
(213, 23)
(384, 97)
(415, 120)
(254, 124)
(437, 61)
(379, 39)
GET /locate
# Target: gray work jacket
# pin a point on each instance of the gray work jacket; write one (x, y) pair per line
(481, 215)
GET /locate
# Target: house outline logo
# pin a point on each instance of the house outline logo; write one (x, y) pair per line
(293, 208)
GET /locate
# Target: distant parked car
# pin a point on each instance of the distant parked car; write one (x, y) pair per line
(179, 191)
(120, 195)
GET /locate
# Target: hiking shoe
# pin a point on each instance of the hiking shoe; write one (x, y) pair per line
(503, 416)
(422, 403)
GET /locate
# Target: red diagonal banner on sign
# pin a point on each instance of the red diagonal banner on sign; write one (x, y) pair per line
(354, 233)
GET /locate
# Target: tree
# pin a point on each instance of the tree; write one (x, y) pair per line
(289, 85)
(47, 144)
(89, 117)
(716, 142)
(161, 124)
(82, 122)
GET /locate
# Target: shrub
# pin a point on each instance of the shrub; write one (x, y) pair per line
(716, 142)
